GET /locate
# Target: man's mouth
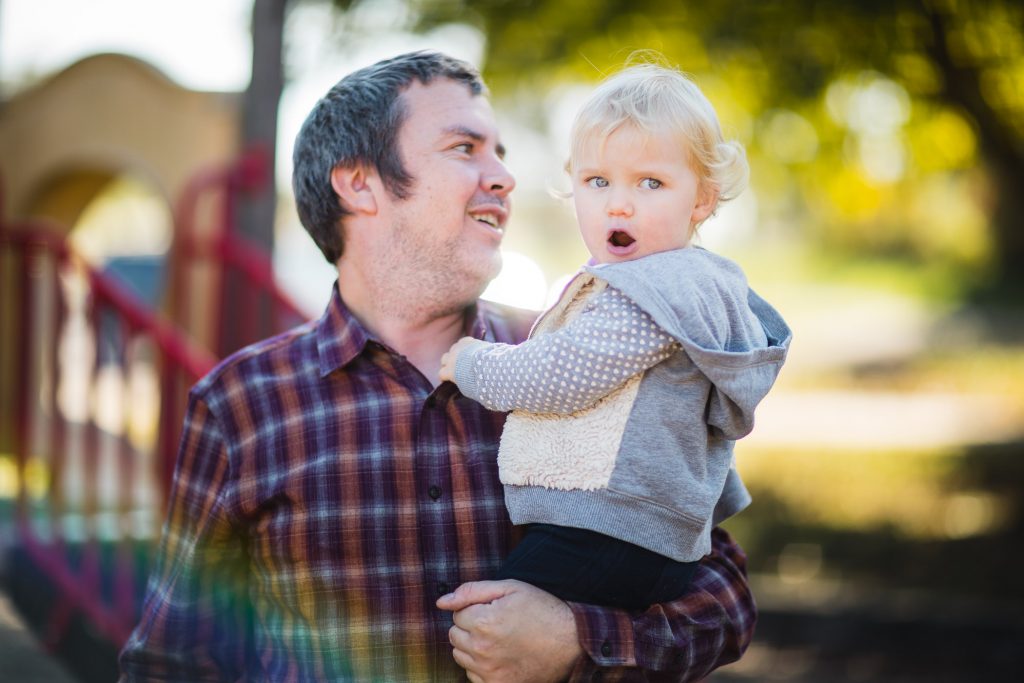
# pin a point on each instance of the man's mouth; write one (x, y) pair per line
(487, 218)
(491, 213)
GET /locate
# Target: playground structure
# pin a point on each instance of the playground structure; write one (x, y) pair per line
(93, 379)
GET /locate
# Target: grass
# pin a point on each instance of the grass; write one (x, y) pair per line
(948, 520)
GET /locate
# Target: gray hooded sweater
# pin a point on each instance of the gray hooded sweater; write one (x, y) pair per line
(628, 397)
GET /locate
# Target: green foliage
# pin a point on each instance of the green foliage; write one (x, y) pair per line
(867, 122)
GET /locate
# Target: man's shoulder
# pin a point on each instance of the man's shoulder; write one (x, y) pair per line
(509, 324)
(276, 359)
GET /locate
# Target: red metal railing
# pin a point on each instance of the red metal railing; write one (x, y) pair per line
(93, 390)
(249, 305)
(97, 400)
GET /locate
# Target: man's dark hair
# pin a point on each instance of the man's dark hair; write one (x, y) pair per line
(357, 122)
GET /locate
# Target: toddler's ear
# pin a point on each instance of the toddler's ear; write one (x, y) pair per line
(707, 200)
(355, 188)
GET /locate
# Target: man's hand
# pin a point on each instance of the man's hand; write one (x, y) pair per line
(511, 631)
(447, 372)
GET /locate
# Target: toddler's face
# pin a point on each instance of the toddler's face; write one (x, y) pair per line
(636, 195)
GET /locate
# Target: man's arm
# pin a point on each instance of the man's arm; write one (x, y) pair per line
(683, 640)
(570, 369)
(193, 626)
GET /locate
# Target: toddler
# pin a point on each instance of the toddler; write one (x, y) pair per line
(628, 396)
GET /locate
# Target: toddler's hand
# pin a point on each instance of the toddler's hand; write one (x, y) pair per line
(447, 372)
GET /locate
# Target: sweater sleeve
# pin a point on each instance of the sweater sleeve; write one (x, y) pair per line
(571, 368)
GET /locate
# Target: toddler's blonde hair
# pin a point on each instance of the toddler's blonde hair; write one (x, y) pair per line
(660, 100)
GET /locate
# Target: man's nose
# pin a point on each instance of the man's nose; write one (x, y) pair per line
(497, 179)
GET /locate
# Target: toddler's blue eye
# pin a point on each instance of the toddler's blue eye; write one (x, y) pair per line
(651, 183)
(597, 181)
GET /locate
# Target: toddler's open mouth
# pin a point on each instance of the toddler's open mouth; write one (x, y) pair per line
(620, 238)
(621, 243)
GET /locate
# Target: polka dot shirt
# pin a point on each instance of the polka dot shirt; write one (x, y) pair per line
(569, 369)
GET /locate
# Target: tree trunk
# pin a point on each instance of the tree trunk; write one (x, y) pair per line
(255, 210)
(1008, 229)
(259, 127)
(1001, 151)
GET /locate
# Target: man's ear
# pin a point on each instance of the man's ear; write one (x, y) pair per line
(354, 187)
(707, 200)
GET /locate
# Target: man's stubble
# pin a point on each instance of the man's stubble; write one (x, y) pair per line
(424, 278)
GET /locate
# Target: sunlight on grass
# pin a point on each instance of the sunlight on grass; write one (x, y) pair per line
(915, 494)
(988, 370)
(934, 281)
(929, 281)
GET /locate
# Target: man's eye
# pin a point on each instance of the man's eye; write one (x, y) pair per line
(464, 147)
(651, 183)
(597, 181)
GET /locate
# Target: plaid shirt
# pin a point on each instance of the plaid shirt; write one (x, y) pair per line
(326, 495)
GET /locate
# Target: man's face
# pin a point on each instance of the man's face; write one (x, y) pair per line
(446, 234)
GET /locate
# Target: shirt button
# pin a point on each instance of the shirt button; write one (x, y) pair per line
(606, 650)
(443, 588)
(435, 492)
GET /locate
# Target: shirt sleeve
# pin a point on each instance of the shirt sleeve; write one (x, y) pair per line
(683, 640)
(568, 369)
(193, 625)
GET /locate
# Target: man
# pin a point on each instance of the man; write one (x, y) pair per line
(330, 494)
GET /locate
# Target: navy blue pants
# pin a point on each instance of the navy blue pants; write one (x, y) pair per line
(579, 565)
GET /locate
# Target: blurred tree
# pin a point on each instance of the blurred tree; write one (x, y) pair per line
(875, 108)
(260, 108)
(256, 210)
(259, 120)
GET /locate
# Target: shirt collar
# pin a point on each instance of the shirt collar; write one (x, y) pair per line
(478, 324)
(340, 337)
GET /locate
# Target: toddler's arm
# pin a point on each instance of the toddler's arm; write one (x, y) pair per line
(567, 370)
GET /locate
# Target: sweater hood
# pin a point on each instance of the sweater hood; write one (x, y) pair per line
(731, 334)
